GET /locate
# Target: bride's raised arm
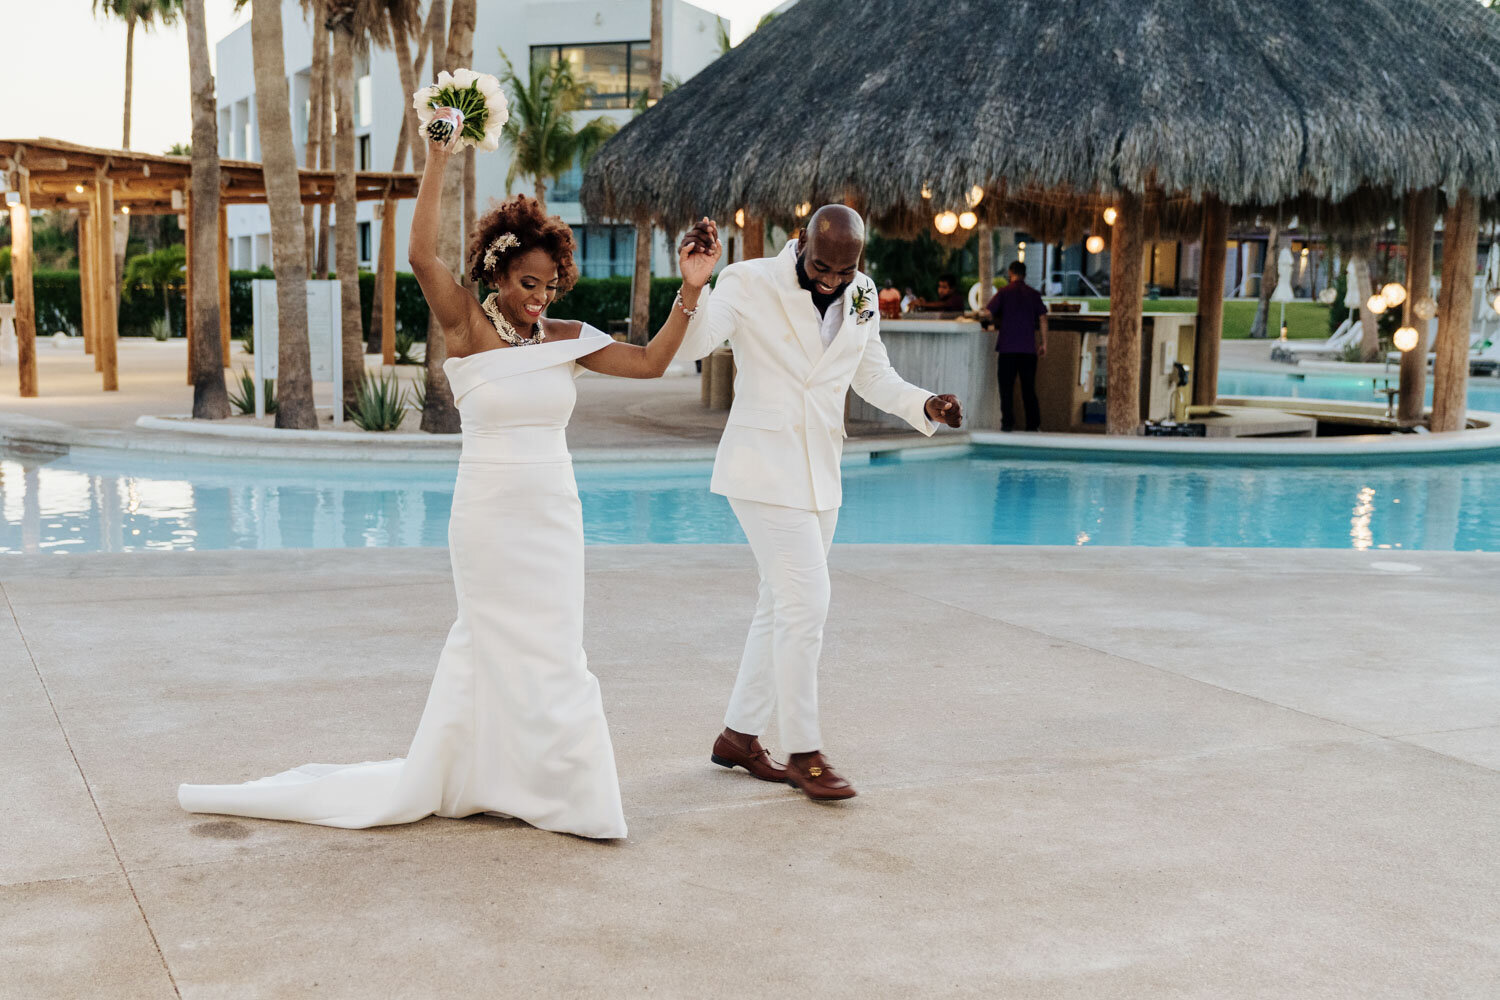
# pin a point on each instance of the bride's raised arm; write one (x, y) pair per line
(450, 302)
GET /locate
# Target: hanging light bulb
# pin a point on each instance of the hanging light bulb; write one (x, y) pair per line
(739, 217)
(1394, 294)
(1405, 338)
(968, 220)
(1328, 295)
(1094, 244)
(945, 222)
(1424, 308)
(803, 210)
(1021, 252)
(1110, 215)
(124, 209)
(926, 191)
(78, 189)
(975, 196)
(1376, 303)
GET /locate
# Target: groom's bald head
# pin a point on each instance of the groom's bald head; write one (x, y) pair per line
(831, 245)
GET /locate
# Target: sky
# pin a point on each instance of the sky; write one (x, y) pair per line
(80, 60)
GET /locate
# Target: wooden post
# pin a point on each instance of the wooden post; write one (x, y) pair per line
(754, 233)
(21, 267)
(1421, 208)
(187, 292)
(386, 280)
(986, 264)
(1450, 369)
(1126, 291)
(1210, 302)
(86, 284)
(107, 309)
(224, 325)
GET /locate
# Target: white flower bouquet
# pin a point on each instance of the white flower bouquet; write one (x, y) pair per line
(463, 102)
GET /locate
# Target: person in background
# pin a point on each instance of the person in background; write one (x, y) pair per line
(949, 298)
(890, 301)
(1020, 316)
(908, 299)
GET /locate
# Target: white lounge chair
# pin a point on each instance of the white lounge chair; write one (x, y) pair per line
(1290, 351)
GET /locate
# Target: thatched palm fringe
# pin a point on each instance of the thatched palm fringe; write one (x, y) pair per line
(1323, 108)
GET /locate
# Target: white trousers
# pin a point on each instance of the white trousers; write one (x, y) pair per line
(779, 669)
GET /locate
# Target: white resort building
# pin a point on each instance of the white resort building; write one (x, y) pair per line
(605, 41)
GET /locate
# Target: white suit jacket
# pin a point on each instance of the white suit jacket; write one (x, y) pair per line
(785, 435)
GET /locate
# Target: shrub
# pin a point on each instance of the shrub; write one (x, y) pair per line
(242, 397)
(379, 403)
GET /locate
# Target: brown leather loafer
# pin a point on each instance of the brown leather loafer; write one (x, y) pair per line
(817, 780)
(757, 759)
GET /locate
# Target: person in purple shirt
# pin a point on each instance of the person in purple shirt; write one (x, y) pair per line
(1020, 316)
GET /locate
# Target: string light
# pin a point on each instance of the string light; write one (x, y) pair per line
(739, 217)
(1405, 338)
(968, 220)
(926, 192)
(975, 196)
(1110, 215)
(1376, 303)
(945, 222)
(1094, 244)
(1394, 294)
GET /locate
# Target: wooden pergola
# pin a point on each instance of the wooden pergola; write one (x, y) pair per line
(99, 184)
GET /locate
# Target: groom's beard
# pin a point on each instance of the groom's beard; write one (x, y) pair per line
(819, 299)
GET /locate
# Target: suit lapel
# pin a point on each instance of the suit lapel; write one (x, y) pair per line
(797, 304)
(849, 333)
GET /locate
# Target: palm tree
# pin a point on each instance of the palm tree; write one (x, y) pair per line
(354, 24)
(159, 270)
(210, 400)
(645, 233)
(278, 154)
(318, 137)
(147, 14)
(439, 414)
(543, 139)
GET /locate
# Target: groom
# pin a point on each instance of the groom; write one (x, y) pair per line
(805, 327)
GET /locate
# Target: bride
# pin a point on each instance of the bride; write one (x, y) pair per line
(514, 725)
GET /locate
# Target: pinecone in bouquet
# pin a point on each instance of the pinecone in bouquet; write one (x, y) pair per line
(462, 103)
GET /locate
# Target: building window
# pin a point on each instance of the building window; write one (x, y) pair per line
(364, 244)
(362, 159)
(612, 74)
(606, 251)
(568, 184)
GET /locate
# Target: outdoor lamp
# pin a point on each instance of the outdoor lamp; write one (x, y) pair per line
(945, 222)
(975, 196)
(1021, 252)
(1424, 308)
(1376, 303)
(968, 220)
(926, 191)
(1327, 295)
(124, 209)
(1394, 294)
(1405, 338)
(1110, 215)
(803, 210)
(739, 217)
(78, 189)
(1094, 244)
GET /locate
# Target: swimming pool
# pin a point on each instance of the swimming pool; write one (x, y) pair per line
(1318, 385)
(92, 501)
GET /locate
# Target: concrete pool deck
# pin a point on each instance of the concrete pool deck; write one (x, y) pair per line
(1084, 773)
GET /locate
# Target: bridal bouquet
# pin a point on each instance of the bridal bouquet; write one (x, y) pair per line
(465, 102)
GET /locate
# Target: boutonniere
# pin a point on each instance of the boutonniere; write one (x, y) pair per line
(860, 302)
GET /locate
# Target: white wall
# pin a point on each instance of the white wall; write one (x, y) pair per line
(690, 42)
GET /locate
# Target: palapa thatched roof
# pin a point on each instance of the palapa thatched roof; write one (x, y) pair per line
(1333, 107)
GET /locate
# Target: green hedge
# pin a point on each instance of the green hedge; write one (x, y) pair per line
(594, 300)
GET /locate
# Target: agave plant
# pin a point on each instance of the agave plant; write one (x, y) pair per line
(161, 329)
(419, 392)
(405, 344)
(243, 398)
(379, 403)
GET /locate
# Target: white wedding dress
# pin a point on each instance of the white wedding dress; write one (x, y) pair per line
(514, 724)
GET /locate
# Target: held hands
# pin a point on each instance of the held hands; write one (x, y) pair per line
(945, 409)
(699, 252)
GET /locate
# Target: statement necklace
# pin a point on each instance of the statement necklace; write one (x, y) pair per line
(503, 328)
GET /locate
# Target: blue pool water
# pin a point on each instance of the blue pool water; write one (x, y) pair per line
(100, 501)
(1317, 385)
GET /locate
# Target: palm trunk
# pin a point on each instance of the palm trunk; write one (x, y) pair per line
(408, 70)
(640, 293)
(471, 207)
(541, 192)
(1369, 342)
(210, 400)
(440, 416)
(346, 235)
(129, 76)
(278, 152)
(317, 113)
(1268, 279)
(325, 161)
